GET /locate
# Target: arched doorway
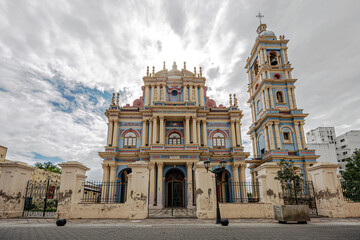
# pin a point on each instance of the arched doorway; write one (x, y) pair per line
(121, 186)
(174, 188)
(224, 187)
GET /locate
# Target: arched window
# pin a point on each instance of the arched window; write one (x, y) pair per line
(174, 138)
(218, 140)
(279, 96)
(130, 140)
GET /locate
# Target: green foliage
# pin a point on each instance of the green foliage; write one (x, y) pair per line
(351, 177)
(48, 166)
(289, 179)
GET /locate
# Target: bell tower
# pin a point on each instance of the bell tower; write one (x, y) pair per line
(277, 124)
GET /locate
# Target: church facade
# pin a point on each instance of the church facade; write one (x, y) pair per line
(172, 126)
(277, 129)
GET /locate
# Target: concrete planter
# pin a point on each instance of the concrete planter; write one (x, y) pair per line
(297, 213)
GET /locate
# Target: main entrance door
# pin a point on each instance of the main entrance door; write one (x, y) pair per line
(174, 189)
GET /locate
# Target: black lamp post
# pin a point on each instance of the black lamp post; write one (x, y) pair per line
(216, 171)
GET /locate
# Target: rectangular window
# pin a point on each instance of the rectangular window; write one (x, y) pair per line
(286, 136)
(342, 140)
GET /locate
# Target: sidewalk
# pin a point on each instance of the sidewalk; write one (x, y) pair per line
(167, 222)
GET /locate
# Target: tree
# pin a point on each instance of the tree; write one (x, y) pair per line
(289, 179)
(48, 166)
(351, 177)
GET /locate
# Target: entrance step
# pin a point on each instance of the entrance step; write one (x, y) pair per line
(176, 213)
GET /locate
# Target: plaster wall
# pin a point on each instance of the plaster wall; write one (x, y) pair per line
(100, 210)
(246, 210)
(353, 209)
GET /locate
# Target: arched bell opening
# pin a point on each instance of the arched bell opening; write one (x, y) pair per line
(174, 188)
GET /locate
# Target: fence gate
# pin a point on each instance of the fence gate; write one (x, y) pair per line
(302, 194)
(41, 198)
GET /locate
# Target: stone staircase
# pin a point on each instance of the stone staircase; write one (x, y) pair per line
(176, 213)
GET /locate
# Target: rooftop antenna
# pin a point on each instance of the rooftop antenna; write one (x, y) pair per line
(260, 16)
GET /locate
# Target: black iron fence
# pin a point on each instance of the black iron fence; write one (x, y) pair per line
(351, 191)
(238, 192)
(104, 192)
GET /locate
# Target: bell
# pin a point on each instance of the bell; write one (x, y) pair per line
(274, 62)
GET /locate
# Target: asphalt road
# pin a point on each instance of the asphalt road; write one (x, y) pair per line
(183, 231)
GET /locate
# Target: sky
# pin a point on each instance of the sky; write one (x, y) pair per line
(60, 61)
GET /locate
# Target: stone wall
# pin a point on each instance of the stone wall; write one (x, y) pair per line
(246, 210)
(353, 209)
(101, 210)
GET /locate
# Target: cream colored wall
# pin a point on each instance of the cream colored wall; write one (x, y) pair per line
(246, 210)
(42, 175)
(100, 210)
(3, 151)
(353, 209)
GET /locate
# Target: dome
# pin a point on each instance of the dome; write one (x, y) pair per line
(267, 34)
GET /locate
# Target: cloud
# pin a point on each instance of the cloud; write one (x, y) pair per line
(60, 62)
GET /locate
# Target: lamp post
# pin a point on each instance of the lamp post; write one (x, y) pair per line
(216, 171)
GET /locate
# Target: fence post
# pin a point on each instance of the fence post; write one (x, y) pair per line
(13, 180)
(71, 188)
(328, 194)
(270, 189)
(138, 190)
(205, 192)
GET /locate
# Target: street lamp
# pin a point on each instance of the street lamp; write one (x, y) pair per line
(216, 171)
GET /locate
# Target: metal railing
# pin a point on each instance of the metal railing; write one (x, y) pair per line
(104, 192)
(238, 192)
(351, 191)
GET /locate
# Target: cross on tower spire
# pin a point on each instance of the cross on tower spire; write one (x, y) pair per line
(260, 16)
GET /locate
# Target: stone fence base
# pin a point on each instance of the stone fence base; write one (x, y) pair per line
(246, 210)
(98, 210)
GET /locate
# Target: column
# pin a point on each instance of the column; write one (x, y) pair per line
(302, 135)
(263, 100)
(238, 138)
(232, 127)
(191, 93)
(271, 98)
(111, 129)
(187, 130)
(152, 184)
(116, 133)
(150, 131)
(185, 93)
(158, 93)
(253, 145)
(189, 184)
(196, 95)
(144, 133)
(204, 133)
(112, 182)
(202, 97)
(155, 130)
(252, 111)
(271, 136)
(243, 180)
(152, 94)
(105, 183)
(297, 133)
(256, 149)
(146, 95)
(194, 139)
(266, 138)
(293, 96)
(160, 185)
(198, 131)
(267, 98)
(277, 136)
(162, 132)
(236, 180)
(164, 93)
(290, 97)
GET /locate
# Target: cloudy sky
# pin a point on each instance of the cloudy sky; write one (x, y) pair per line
(61, 60)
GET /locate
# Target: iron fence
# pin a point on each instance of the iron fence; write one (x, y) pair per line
(104, 192)
(351, 191)
(238, 192)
